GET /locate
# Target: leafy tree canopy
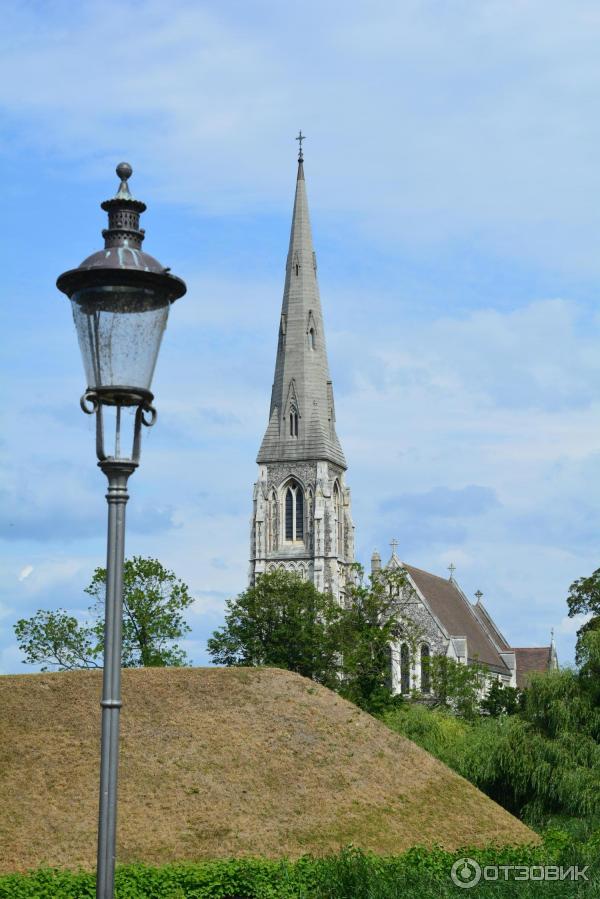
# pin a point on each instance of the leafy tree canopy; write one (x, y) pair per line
(285, 621)
(584, 599)
(456, 686)
(57, 639)
(154, 601)
(500, 700)
(282, 621)
(372, 622)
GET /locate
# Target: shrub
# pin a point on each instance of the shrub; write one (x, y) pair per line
(417, 874)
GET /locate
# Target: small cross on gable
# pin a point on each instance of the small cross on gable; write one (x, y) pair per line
(451, 569)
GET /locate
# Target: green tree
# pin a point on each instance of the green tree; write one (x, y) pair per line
(456, 686)
(500, 700)
(154, 601)
(57, 639)
(584, 599)
(373, 621)
(282, 621)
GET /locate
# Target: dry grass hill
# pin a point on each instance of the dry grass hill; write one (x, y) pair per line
(221, 762)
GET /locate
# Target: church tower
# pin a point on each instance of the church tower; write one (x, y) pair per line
(302, 518)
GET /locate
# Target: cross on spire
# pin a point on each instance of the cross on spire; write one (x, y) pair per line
(300, 138)
(394, 544)
(451, 569)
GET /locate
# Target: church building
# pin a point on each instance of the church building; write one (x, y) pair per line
(450, 625)
(302, 519)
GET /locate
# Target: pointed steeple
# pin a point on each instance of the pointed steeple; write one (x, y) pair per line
(301, 516)
(302, 415)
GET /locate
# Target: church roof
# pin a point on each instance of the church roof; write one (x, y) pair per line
(302, 384)
(455, 613)
(530, 660)
(489, 625)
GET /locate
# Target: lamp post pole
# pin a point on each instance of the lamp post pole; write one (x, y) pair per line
(117, 474)
(120, 298)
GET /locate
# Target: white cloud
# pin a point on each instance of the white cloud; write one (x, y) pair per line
(571, 625)
(25, 572)
(473, 120)
(50, 573)
(457, 557)
(210, 603)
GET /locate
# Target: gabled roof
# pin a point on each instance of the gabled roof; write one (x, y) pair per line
(489, 625)
(301, 357)
(530, 660)
(451, 607)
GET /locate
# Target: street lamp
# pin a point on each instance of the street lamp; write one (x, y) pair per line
(120, 297)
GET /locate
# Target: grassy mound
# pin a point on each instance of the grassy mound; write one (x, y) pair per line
(222, 762)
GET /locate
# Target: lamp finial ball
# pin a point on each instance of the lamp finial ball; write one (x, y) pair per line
(124, 171)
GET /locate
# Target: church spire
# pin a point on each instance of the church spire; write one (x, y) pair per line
(302, 415)
(301, 518)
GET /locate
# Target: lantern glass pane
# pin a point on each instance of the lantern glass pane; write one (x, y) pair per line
(119, 330)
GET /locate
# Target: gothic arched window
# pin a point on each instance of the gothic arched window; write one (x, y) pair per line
(311, 338)
(425, 668)
(404, 669)
(299, 514)
(389, 655)
(272, 522)
(293, 422)
(338, 513)
(294, 511)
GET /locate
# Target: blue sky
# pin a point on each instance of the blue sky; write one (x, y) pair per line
(454, 181)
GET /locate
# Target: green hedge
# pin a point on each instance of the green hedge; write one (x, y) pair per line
(416, 874)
